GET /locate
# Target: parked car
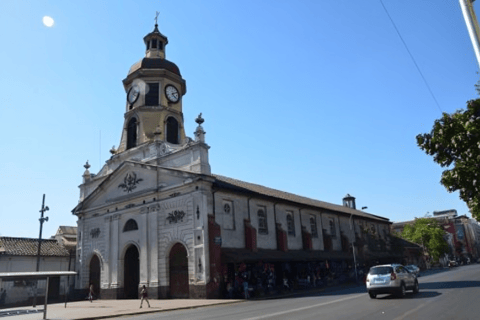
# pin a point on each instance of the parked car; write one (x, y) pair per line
(413, 269)
(390, 278)
(452, 263)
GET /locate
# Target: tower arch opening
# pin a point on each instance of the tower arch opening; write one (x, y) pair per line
(132, 133)
(172, 130)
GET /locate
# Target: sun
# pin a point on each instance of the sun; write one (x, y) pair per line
(48, 21)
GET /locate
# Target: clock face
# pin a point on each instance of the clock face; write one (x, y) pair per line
(133, 94)
(172, 93)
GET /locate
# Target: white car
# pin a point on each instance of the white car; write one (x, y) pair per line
(413, 269)
(390, 278)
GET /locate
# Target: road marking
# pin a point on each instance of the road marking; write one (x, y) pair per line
(305, 308)
(409, 312)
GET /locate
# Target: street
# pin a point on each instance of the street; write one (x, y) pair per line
(451, 294)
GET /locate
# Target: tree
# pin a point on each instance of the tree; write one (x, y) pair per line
(428, 233)
(454, 143)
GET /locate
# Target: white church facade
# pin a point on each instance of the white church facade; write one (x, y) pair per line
(155, 215)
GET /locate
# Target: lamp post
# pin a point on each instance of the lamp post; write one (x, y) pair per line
(353, 249)
(42, 220)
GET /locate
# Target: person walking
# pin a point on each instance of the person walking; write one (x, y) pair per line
(90, 294)
(144, 295)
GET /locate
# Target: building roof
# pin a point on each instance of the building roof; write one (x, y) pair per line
(155, 63)
(67, 231)
(29, 247)
(229, 183)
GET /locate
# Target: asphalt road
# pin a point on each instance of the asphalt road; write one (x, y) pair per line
(453, 294)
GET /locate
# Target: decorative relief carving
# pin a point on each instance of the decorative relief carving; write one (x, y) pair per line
(176, 216)
(175, 194)
(95, 232)
(130, 205)
(130, 182)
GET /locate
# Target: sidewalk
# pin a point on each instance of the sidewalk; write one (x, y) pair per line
(101, 309)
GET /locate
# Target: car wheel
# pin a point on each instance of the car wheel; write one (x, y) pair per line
(415, 287)
(372, 295)
(402, 290)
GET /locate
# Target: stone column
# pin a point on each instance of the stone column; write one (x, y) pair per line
(144, 264)
(114, 258)
(105, 284)
(153, 253)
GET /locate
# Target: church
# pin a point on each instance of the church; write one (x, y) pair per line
(155, 215)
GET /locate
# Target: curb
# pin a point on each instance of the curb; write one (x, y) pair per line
(158, 310)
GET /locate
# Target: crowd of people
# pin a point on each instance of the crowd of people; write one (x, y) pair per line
(263, 278)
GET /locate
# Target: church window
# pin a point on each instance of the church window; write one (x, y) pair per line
(160, 45)
(262, 222)
(332, 227)
(172, 130)
(151, 97)
(290, 224)
(313, 227)
(154, 43)
(132, 133)
(148, 45)
(228, 215)
(130, 225)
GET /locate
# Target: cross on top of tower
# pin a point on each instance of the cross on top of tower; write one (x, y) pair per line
(156, 17)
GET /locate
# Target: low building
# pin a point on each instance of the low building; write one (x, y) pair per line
(462, 234)
(20, 255)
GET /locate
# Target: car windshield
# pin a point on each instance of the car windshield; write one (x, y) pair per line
(381, 270)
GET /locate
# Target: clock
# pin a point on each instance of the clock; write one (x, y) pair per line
(133, 94)
(172, 93)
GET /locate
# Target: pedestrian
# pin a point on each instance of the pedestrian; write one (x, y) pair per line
(90, 294)
(144, 295)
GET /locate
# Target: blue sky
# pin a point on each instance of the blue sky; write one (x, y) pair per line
(317, 98)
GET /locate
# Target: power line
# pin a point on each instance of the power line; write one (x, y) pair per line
(411, 56)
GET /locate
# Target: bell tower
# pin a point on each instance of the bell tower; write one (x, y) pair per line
(154, 89)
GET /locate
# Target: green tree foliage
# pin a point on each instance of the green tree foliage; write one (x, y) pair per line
(454, 143)
(428, 233)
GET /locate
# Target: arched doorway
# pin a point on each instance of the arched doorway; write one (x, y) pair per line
(131, 276)
(178, 272)
(95, 275)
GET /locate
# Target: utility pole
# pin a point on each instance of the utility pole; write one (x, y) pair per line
(42, 220)
(472, 25)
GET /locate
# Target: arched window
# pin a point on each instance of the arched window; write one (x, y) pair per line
(262, 222)
(130, 225)
(172, 130)
(313, 227)
(290, 224)
(132, 133)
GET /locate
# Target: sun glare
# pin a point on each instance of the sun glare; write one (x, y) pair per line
(48, 21)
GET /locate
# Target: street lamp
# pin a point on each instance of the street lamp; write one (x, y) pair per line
(353, 249)
(42, 220)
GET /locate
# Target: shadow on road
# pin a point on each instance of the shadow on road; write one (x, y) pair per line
(450, 285)
(411, 295)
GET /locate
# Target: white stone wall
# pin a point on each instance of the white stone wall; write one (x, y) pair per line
(154, 238)
(231, 237)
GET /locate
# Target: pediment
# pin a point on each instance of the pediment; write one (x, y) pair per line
(132, 180)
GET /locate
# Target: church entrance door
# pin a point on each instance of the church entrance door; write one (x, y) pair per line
(178, 272)
(131, 276)
(95, 275)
